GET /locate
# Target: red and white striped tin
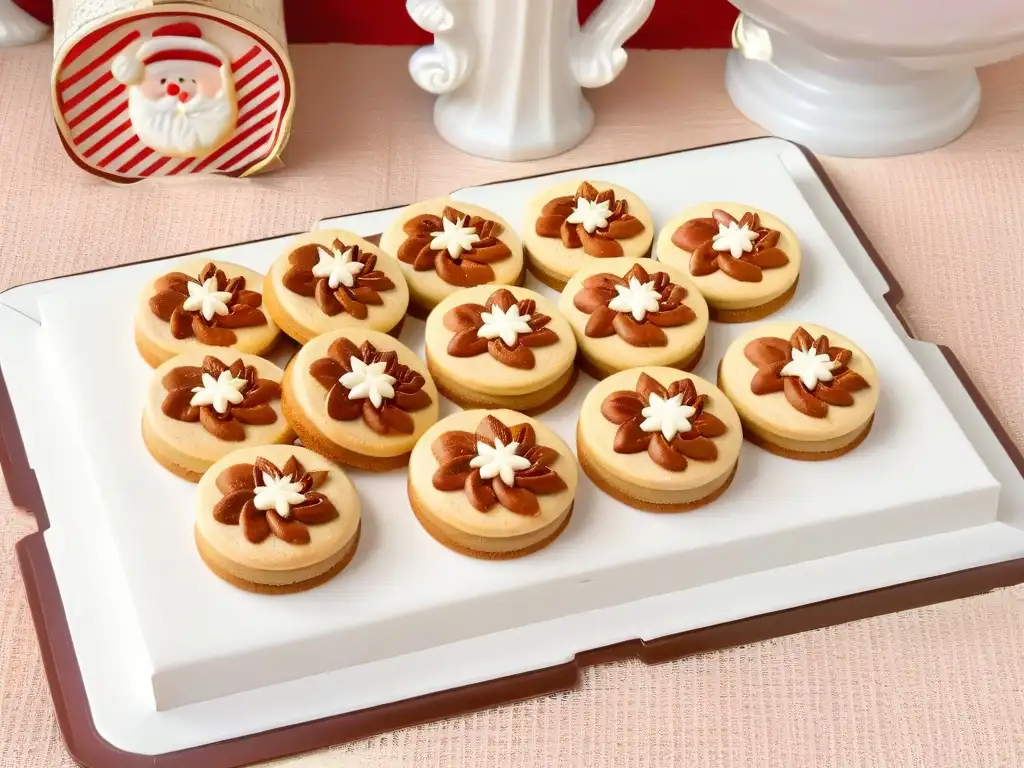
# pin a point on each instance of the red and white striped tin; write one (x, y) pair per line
(90, 105)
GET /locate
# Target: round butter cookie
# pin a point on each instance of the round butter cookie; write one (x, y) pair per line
(332, 279)
(489, 347)
(744, 261)
(628, 313)
(802, 391)
(492, 484)
(572, 224)
(206, 403)
(202, 303)
(276, 519)
(360, 397)
(658, 439)
(444, 245)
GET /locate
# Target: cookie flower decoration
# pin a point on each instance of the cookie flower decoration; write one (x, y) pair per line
(497, 465)
(502, 326)
(591, 220)
(811, 372)
(265, 500)
(341, 278)
(741, 249)
(207, 306)
(635, 306)
(459, 248)
(364, 381)
(671, 424)
(222, 398)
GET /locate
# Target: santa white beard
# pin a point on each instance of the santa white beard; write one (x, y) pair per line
(195, 127)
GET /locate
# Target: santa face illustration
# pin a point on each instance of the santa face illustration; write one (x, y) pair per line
(181, 94)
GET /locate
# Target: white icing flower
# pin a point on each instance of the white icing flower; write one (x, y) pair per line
(218, 392)
(339, 267)
(454, 238)
(499, 460)
(504, 325)
(369, 381)
(206, 299)
(591, 215)
(667, 415)
(735, 239)
(636, 299)
(279, 494)
(809, 367)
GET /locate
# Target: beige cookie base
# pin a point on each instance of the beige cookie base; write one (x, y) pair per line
(603, 356)
(531, 403)
(153, 337)
(249, 579)
(634, 496)
(301, 318)
(426, 289)
(186, 448)
(722, 292)
(551, 262)
(590, 367)
(753, 313)
(303, 402)
(482, 548)
(421, 312)
(770, 418)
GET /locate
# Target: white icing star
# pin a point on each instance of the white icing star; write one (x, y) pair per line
(218, 392)
(499, 461)
(735, 239)
(668, 416)
(454, 238)
(339, 267)
(636, 299)
(591, 215)
(369, 381)
(504, 325)
(809, 367)
(278, 493)
(206, 299)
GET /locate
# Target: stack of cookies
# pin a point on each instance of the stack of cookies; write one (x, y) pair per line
(492, 480)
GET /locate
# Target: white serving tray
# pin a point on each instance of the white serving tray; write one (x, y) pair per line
(171, 657)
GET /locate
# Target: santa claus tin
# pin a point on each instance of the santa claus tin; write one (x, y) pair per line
(155, 89)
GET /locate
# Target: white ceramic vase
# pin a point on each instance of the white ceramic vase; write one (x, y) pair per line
(509, 73)
(18, 27)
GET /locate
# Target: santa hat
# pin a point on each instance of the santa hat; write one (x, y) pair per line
(182, 41)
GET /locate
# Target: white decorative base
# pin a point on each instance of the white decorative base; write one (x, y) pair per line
(509, 73)
(17, 27)
(845, 106)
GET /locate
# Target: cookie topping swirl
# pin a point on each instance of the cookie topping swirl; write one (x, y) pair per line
(635, 306)
(811, 372)
(339, 277)
(222, 398)
(591, 220)
(505, 328)
(371, 383)
(741, 249)
(670, 423)
(458, 247)
(497, 465)
(265, 500)
(207, 306)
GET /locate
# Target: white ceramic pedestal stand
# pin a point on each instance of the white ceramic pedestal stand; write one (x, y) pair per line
(17, 27)
(509, 72)
(854, 99)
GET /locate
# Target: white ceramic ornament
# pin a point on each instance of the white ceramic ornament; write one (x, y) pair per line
(17, 27)
(869, 78)
(509, 73)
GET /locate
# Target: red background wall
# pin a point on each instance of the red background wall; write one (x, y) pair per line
(673, 23)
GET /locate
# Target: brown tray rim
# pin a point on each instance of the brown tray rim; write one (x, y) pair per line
(88, 748)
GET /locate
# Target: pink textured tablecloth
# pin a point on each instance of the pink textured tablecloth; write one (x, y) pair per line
(941, 686)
